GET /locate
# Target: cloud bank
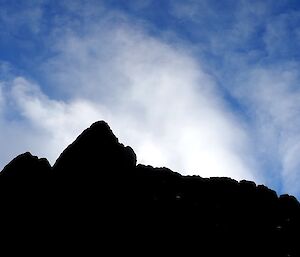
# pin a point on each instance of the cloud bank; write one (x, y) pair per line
(203, 87)
(272, 96)
(251, 47)
(155, 96)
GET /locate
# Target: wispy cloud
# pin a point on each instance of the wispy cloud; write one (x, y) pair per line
(210, 88)
(156, 97)
(272, 97)
(162, 91)
(42, 126)
(255, 59)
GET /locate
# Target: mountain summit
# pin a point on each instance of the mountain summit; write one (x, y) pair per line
(95, 197)
(95, 151)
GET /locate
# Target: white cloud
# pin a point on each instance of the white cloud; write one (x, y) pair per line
(155, 96)
(41, 125)
(257, 63)
(273, 97)
(57, 122)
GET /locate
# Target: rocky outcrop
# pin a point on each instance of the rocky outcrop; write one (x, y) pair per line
(96, 196)
(26, 167)
(95, 152)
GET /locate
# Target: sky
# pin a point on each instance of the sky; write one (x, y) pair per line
(204, 87)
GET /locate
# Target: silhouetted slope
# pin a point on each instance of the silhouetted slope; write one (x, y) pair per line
(26, 167)
(96, 149)
(95, 196)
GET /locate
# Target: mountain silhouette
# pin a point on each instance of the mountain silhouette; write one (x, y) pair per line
(96, 199)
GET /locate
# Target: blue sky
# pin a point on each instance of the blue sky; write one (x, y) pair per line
(203, 87)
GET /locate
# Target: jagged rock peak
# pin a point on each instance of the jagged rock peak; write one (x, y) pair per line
(97, 148)
(100, 129)
(96, 193)
(26, 166)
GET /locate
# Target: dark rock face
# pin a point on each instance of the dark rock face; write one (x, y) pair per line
(95, 198)
(94, 150)
(26, 167)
